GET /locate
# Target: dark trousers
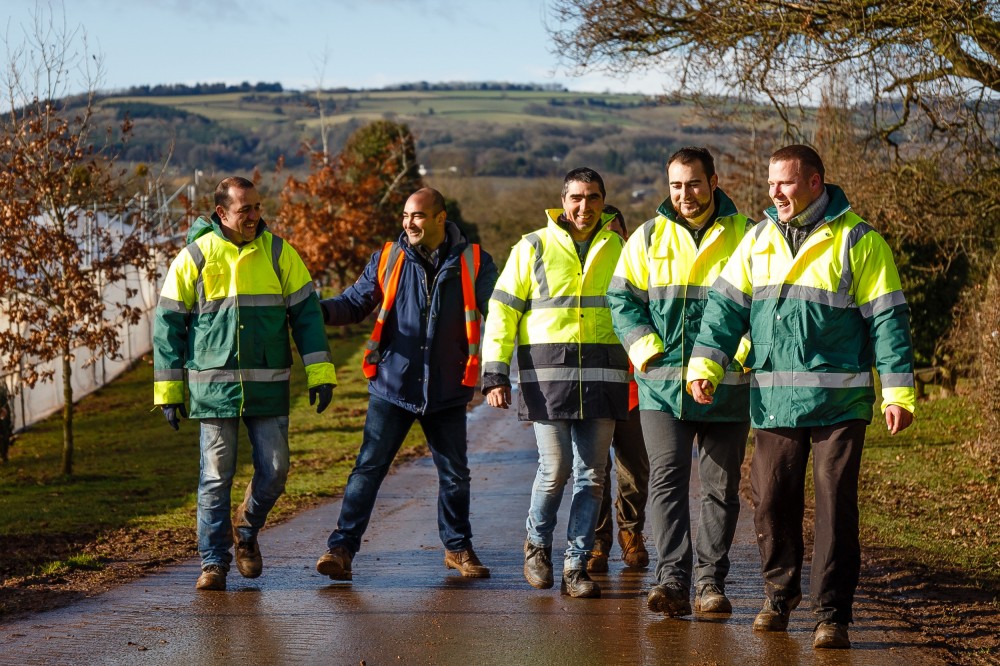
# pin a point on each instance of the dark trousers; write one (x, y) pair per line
(632, 465)
(386, 426)
(721, 447)
(777, 477)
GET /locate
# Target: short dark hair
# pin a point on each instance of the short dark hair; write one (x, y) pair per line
(804, 155)
(583, 175)
(612, 210)
(437, 199)
(222, 197)
(692, 154)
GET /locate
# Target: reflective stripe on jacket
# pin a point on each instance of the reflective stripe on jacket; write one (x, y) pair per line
(424, 349)
(570, 363)
(389, 269)
(657, 297)
(819, 322)
(222, 324)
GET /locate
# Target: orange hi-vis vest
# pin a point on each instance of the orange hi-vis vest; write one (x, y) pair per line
(390, 266)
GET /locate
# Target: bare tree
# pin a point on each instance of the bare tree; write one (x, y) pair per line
(59, 189)
(911, 55)
(922, 76)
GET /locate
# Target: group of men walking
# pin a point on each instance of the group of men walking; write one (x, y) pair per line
(686, 333)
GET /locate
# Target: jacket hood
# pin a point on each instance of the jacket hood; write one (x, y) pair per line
(724, 206)
(838, 205)
(203, 226)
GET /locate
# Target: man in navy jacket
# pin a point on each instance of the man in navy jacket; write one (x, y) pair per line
(420, 358)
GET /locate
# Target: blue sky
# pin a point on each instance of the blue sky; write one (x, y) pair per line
(369, 43)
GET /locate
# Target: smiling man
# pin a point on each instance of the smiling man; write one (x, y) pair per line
(657, 297)
(817, 290)
(573, 373)
(422, 363)
(221, 327)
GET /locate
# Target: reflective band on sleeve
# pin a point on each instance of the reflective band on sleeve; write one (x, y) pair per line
(496, 368)
(171, 305)
(711, 354)
(317, 357)
(732, 293)
(219, 375)
(897, 380)
(882, 303)
(509, 300)
(300, 295)
(169, 375)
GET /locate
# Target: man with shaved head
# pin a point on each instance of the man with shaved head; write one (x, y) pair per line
(430, 288)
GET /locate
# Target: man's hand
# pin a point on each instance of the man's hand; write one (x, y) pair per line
(173, 413)
(897, 419)
(702, 391)
(499, 397)
(323, 392)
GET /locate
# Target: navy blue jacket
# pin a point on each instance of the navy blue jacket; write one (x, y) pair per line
(424, 346)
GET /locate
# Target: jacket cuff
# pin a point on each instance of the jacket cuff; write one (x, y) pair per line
(493, 379)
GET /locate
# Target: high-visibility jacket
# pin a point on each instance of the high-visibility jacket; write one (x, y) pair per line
(657, 297)
(819, 321)
(423, 348)
(570, 363)
(390, 267)
(222, 325)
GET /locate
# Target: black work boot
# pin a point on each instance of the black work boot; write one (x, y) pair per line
(670, 598)
(576, 583)
(538, 566)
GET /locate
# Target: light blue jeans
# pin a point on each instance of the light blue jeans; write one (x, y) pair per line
(269, 441)
(579, 447)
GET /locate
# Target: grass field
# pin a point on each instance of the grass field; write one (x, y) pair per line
(133, 471)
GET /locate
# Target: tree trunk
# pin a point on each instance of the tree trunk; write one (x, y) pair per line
(67, 457)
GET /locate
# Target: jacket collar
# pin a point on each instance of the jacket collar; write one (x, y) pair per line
(838, 205)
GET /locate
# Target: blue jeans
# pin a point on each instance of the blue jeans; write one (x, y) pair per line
(269, 440)
(386, 426)
(721, 447)
(577, 446)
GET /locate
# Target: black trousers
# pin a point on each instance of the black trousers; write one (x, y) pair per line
(777, 478)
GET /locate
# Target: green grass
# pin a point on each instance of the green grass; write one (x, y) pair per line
(132, 471)
(924, 493)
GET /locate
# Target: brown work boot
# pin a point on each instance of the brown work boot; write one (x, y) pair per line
(538, 566)
(634, 552)
(466, 562)
(774, 615)
(336, 563)
(577, 584)
(670, 598)
(598, 562)
(831, 635)
(213, 577)
(248, 559)
(711, 599)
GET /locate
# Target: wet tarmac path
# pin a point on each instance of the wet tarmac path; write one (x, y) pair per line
(404, 607)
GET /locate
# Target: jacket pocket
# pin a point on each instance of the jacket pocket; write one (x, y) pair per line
(211, 357)
(757, 356)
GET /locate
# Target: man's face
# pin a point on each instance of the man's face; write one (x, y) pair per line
(583, 203)
(691, 191)
(240, 218)
(790, 189)
(422, 223)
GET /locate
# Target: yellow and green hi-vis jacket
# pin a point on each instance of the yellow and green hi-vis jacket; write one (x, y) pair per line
(657, 297)
(818, 321)
(222, 325)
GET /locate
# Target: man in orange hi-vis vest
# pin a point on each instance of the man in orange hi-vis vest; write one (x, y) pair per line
(430, 289)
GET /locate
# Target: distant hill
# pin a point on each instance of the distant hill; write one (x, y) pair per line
(472, 129)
